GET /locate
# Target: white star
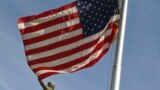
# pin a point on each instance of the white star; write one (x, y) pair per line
(102, 4)
(97, 2)
(85, 33)
(104, 10)
(83, 6)
(79, 3)
(92, 29)
(92, 12)
(90, 4)
(82, 19)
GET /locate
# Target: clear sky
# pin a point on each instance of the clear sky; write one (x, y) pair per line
(141, 58)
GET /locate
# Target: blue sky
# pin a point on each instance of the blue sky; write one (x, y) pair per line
(141, 58)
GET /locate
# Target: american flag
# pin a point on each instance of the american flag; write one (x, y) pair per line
(70, 38)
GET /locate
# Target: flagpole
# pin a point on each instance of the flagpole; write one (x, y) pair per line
(116, 72)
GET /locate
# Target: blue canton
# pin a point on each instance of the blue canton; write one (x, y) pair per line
(95, 14)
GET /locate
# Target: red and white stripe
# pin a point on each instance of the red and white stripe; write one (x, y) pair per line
(54, 41)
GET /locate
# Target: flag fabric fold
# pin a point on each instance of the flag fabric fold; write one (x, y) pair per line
(70, 38)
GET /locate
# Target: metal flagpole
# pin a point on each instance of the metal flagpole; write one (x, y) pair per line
(116, 73)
